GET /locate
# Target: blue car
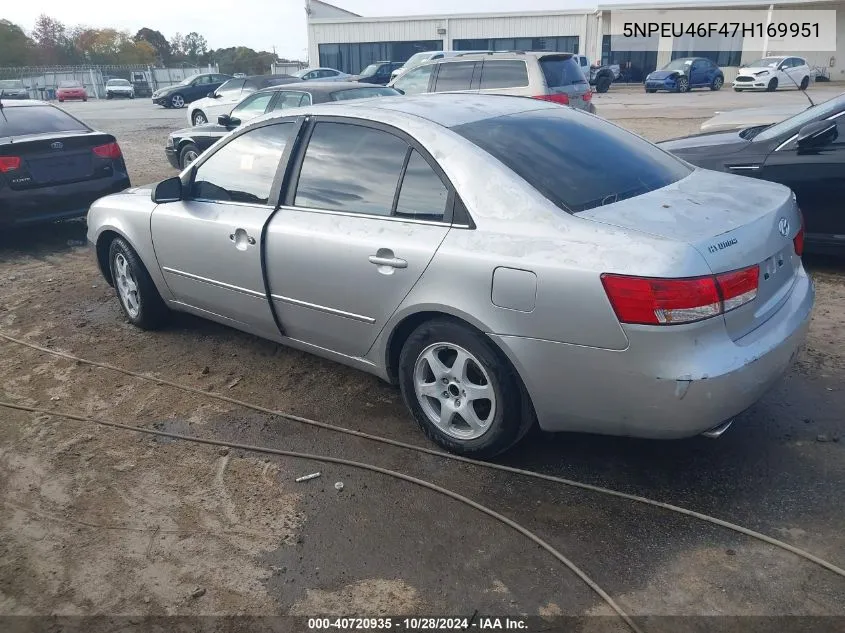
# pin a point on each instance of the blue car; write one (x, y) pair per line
(684, 74)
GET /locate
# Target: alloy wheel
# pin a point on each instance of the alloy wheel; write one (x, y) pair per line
(177, 101)
(127, 286)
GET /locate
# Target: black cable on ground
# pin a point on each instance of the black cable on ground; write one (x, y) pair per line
(363, 466)
(428, 451)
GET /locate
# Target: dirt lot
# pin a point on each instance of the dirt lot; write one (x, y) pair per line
(99, 521)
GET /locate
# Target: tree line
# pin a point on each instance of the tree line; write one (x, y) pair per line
(52, 43)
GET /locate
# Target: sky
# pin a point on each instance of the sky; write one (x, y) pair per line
(259, 24)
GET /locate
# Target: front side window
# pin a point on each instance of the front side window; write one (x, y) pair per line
(454, 76)
(503, 74)
(332, 179)
(253, 105)
(231, 87)
(415, 81)
(422, 195)
(576, 161)
(243, 169)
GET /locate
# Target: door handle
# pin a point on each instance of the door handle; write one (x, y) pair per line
(393, 262)
(241, 239)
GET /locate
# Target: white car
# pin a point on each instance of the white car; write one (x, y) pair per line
(229, 95)
(119, 88)
(771, 73)
(323, 74)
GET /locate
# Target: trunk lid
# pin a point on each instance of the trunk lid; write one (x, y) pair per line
(51, 160)
(734, 222)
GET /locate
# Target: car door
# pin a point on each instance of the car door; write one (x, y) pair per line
(797, 71)
(199, 88)
(454, 76)
(816, 177)
(208, 245)
(353, 236)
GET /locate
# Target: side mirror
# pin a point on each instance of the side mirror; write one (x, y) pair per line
(228, 121)
(212, 95)
(817, 134)
(169, 190)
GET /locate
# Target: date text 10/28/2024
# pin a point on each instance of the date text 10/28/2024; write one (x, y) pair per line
(418, 624)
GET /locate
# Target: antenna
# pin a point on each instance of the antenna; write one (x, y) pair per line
(799, 87)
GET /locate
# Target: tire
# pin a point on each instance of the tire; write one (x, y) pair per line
(199, 118)
(132, 96)
(188, 154)
(137, 295)
(84, 99)
(603, 83)
(805, 82)
(773, 85)
(61, 100)
(108, 96)
(683, 85)
(718, 82)
(500, 421)
(651, 91)
(177, 101)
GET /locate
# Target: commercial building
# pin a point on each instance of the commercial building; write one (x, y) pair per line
(341, 39)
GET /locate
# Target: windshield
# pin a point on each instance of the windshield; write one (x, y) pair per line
(117, 82)
(793, 124)
(678, 64)
(416, 59)
(371, 69)
(11, 83)
(69, 84)
(565, 156)
(299, 73)
(187, 80)
(766, 62)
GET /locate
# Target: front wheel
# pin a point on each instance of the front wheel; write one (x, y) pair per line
(188, 154)
(464, 395)
(199, 118)
(177, 101)
(805, 82)
(139, 299)
(718, 81)
(773, 85)
(737, 89)
(683, 85)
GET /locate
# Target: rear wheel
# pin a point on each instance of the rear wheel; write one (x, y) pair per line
(188, 154)
(773, 85)
(718, 81)
(462, 393)
(139, 298)
(805, 82)
(683, 85)
(603, 83)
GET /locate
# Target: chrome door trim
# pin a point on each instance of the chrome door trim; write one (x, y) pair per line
(214, 282)
(326, 309)
(371, 216)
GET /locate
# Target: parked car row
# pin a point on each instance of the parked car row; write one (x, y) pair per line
(769, 74)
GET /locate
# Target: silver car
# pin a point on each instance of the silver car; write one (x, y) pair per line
(502, 260)
(555, 77)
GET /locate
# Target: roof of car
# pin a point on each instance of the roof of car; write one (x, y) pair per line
(446, 109)
(498, 54)
(320, 87)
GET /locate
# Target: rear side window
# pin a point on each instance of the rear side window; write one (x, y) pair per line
(243, 170)
(332, 179)
(423, 195)
(561, 71)
(576, 161)
(363, 93)
(504, 74)
(454, 76)
(20, 121)
(290, 100)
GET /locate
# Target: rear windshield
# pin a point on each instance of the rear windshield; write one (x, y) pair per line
(575, 160)
(363, 93)
(562, 71)
(37, 120)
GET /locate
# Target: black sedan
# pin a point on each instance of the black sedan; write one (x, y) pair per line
(52, 165)
(805, 152)
(378, 73)
(190, 89)
(184, 146)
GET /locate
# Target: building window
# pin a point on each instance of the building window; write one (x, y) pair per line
(636, 56)
(722, 51)
(562, 44)
(353, 58)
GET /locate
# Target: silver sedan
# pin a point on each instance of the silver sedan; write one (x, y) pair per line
(505, 261)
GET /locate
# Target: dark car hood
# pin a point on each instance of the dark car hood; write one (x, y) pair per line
(663, 74)
(722, 143)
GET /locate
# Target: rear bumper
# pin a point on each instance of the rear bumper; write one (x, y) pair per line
(57, 202)
(664, 385)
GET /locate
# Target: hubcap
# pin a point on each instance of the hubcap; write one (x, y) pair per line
(454, 391)
(127, 287)
(718, 82)
(190, 157)
(199, 119)
(178, 101)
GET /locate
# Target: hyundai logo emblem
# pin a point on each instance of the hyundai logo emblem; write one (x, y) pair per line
(783, 227)
(58, 145)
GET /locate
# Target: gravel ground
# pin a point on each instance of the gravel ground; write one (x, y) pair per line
(99, 521)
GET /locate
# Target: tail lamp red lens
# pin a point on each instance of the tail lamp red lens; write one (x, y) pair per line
(587, 96)
(798, 240)
(560, 98)
(9, 163)
(109, 150)
(653, 301)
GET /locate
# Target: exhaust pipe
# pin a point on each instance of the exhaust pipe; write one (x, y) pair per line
(718, 431)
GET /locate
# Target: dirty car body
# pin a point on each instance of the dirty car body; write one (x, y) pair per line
(657, 301)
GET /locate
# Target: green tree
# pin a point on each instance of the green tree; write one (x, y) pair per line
(194, 46)
(51, 39)
(16, 49)
(157, 40)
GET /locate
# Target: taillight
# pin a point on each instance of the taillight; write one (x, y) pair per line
(798, 240)
(9, 163)
(651, 301)
(109, 150)
(560, 98)
(587, 96)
